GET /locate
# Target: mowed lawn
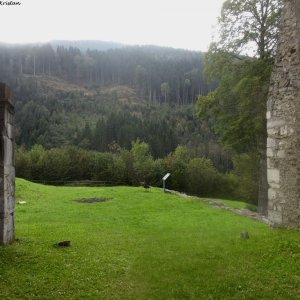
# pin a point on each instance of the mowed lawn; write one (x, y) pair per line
(142, 245)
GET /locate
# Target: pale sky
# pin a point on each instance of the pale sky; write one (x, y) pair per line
(187, 24)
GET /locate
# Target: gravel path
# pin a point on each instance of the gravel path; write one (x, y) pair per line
(240, 211)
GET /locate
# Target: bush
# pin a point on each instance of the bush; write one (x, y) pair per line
(23, 163)
(176, 164)
(188, 174)
(142, 162)
(245, 175)
(202, 177)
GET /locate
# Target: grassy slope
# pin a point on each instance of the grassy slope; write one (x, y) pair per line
(142, 245)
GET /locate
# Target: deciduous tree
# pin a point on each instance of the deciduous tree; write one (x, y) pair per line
(250, 25)
(237, 107)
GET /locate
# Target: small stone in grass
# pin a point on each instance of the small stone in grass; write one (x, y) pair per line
(22, 202)
(245, 235)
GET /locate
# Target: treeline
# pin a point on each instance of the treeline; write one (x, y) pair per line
(189, 173)
(59, 117)
(96, 99)
(159, 75)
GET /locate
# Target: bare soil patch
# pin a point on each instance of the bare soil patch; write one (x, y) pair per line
(93, 200)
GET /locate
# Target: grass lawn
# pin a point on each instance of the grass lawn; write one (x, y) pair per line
(142, 245)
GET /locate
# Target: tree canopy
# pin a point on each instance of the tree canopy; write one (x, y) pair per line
(242, 61)
(250, 26)
(236, 109)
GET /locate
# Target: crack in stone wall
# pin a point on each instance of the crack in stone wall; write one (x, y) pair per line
(283, 123)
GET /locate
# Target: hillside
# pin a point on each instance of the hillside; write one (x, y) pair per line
(94, 99)
(84, 45)
(160, 75)
(63, 113)
(142, 244)
(117, 93)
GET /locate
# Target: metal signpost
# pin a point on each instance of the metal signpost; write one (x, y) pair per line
(164, 181)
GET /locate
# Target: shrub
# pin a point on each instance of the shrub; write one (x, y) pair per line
(202, 177)
(246, 175)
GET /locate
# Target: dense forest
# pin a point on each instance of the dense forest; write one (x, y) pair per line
(99, 99)
(159, 75)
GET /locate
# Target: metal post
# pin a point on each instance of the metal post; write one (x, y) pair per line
(164, 181)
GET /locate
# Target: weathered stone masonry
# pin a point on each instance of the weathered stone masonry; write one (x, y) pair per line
(283, 123)
(7, 167)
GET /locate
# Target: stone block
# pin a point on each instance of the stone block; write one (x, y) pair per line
(273, 131)
(271, 143)
(8, 151)
(283, 130)
(275, 123)
(271, 163)
(10, 131)
(278, 208)
(281, 154)
(270, 152)
(286, 130)
(274, 185)
(275, 217)
(273, 176)
(272, 193)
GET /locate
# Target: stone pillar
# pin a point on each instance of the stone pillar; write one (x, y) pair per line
(7, 167)
(283, 123)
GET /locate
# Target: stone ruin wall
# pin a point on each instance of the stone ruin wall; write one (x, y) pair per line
(7, 167)
(283, 123)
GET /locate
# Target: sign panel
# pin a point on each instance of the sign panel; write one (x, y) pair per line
(166, 176)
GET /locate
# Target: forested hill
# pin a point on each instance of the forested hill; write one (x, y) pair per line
(98, 100)
(84, 45)
(157, 74)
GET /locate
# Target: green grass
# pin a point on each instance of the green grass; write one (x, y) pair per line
(142, 245)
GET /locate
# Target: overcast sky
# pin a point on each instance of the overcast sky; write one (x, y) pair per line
(184, 24)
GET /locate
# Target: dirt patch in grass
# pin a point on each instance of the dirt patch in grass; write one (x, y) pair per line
(93, 200)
